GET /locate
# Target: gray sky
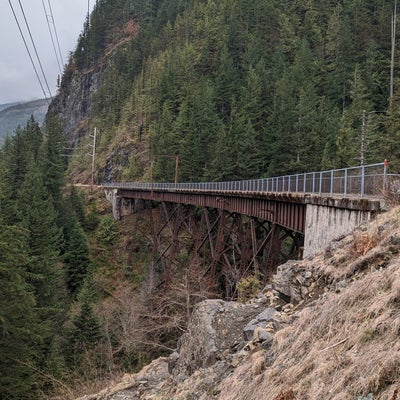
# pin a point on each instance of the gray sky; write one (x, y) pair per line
(18, 80)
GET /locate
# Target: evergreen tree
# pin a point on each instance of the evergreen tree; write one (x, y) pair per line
(33, 137)
(195, 131)
(280, 126)
(85, 332)
(16, 158)
(37, 215)
(7, 206)
(348, 139)
(222, 166)
(391, 139)
(53, 164)
(77, 204)
(20, 332)
(76, 257)
(225, 83)
(248, 162)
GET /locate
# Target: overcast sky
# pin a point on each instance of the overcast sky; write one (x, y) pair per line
(18, 80)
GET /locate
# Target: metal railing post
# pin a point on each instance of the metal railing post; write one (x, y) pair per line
(362, 180)
(313, 182)
(331, 192)
(320, 182)
(345, 182)
(385, 165)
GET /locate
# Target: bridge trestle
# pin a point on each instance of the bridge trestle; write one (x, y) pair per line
(222, 246)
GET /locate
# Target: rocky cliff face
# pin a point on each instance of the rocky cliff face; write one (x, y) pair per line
(74, 101)
(326, 328)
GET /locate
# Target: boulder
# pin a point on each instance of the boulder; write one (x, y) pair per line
(215, 330)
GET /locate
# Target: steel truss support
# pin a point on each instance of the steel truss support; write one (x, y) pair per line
(225, 246)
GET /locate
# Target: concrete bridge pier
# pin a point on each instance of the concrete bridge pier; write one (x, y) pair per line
(121, 206)
(329, 218)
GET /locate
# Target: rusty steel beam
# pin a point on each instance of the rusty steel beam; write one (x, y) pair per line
(225, 246)
(285, 210)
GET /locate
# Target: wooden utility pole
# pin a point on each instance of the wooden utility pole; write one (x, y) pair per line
(93, 154)
(152, 177)
(394, 21)
(176, 168)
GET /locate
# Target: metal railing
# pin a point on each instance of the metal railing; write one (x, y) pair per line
(365, 180)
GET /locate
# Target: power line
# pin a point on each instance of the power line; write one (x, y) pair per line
(34, 47)
(55, 32)
(27, 49)
(51, 36)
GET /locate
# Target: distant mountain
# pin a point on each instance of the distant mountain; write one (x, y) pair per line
(14, 114)
(4, 106)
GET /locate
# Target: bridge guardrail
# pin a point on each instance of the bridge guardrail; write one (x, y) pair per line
(365, 180)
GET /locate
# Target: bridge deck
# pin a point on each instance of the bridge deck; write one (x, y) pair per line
(285, 209)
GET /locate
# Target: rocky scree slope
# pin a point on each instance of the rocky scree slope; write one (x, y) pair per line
(325, 328)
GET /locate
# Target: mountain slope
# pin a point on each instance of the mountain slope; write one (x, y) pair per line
(14, 115)
(236, 89)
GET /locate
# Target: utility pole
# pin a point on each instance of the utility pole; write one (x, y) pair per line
(394, 21)
(93, 154)
(176, 169)
(152, 177)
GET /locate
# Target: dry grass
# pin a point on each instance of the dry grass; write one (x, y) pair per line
(364, 242)
(347, 345)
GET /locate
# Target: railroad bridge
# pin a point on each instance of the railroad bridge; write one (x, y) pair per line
(250, 226)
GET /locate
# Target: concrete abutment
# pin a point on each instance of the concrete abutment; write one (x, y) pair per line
(328, 219)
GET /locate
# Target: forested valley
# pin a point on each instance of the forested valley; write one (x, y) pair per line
(236, 89)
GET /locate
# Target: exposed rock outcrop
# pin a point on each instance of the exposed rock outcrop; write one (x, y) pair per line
(74, 101)
(215, 331)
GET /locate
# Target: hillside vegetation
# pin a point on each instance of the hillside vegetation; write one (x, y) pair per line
(236, 89)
